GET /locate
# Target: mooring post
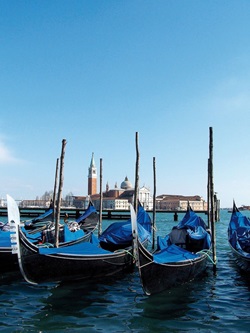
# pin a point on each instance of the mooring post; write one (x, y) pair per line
(59, 198)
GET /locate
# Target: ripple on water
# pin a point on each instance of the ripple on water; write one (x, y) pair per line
(215, 303)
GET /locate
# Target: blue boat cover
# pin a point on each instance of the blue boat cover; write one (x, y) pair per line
(91, 209)
(5, 239)
(199, 233)
(80, 249)
(34, 237)
(72, 235)
(239, 232)
(172, 254)
(43, 217)
(121, 232)
(191, 228)
(191, 220)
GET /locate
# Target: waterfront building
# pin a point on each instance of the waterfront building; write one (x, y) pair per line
(43, 203)
(180, 202)
(120, 197)
(117, 198)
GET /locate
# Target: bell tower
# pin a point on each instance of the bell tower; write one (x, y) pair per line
(92, 177)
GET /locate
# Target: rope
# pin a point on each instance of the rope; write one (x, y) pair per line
(47, 245)
(206, 252)
(126, 251)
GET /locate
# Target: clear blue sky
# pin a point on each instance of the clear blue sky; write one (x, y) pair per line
(97, 72)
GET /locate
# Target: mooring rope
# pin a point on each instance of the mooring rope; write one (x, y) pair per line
(206, 252)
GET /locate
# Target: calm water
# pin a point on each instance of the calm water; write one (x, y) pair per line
(215, 303)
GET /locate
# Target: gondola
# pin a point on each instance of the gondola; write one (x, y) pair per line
(85, 260)
(180, 256)
(41, 230)
(239, 238)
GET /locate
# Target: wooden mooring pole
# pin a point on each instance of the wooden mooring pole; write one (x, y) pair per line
(54, 193)
(136, 173)
(211, 183)
(154, 204)
(59, 197)
(101, 201)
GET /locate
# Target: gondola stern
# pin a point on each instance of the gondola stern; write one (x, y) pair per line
(14, 220)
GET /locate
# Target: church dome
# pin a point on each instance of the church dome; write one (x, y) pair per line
(126, 184)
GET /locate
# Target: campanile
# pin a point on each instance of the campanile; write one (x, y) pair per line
(92, 177)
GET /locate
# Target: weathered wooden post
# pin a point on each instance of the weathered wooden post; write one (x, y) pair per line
(59, 197)
(136, 173)
(212, 197)
(154, 203)
(54, 193)
(101, 201)
(208, 194)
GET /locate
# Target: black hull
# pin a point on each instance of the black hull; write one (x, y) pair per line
(8, 260)
(156, 278)
(39, 268)
(242, 262)
(114, 247)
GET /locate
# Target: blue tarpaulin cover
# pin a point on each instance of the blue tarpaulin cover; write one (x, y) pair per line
(173, 253)
(200, 233)
(91, 209)
(5, 239)
(43, 216)
(72, 235)
(191, 220)
(239, 232)
(191, 229)
(84, 248)
(121, 232)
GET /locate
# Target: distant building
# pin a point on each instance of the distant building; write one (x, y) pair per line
(81, 202)
(180, 202)
(120, 197)
(145, 198)
(117, 198)
(35, 203)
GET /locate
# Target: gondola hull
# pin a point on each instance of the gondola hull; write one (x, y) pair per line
(179, 257)
(157, 277)
(242, 261)
(42, 224)
(239, 239)
(8, 260)
(67, 265)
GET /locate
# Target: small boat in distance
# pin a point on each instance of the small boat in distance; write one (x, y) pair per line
(180, 256)
(239, 238)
